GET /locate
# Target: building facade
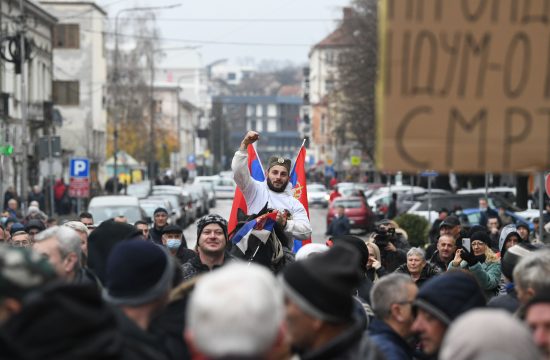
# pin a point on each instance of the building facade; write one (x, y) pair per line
(17, 170)
(80, 80)
(274, 117)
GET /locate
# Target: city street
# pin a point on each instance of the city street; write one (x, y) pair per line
(223, 207)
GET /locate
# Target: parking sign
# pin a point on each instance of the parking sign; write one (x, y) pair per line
(79, 168)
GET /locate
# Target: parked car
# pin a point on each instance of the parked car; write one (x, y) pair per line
(202, 194)
(356, 209)
(317, 194)
(149, 205)
(474, 215)
(139, 190)
(107, 207)
(225, 188)
(208, 184)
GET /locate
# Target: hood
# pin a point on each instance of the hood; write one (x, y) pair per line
(504, 233)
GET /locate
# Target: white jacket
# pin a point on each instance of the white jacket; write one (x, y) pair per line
(257, 194)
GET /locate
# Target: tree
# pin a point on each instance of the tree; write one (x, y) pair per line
(355, 91)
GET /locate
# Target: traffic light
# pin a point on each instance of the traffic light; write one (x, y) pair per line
(6, 149)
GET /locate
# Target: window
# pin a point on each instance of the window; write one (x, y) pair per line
(66, 36)
(66, 92)
(272, 110)
(272, 125)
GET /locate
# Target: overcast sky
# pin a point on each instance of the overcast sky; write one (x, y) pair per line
(206, 22)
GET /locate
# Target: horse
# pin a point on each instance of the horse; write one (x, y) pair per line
(274, 254)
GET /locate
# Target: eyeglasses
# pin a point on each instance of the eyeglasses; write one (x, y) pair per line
(478, 243)
(23, 243)
(407, 302)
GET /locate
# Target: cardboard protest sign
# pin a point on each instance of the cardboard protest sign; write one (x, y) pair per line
(464, 85)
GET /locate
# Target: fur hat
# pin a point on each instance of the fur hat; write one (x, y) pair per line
(276, 160)
(323, 285)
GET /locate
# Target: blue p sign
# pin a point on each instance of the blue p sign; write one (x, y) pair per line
(80, 168)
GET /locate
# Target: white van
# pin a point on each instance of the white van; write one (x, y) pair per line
(107, 207)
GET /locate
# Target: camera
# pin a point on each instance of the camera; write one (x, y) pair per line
(383, 236)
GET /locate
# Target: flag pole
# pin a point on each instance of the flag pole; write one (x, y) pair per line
(296, 158)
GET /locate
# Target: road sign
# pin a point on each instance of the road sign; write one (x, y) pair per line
(429, 173)
(547, 184)
(79, 168)
(79, 187)
(356, 160)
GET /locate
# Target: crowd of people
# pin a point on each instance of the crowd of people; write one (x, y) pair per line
(135, 291)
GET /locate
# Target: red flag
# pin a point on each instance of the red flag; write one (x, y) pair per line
(239, 202)
(299, 184)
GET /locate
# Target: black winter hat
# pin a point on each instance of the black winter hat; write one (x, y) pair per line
(211, 219)
(450, 221)
(449, 295)
(323, 285)
(359, 245)
(481, 236)
(171, 229)
(160, 210)
(35, 224)
(477, 228)
(138, 272)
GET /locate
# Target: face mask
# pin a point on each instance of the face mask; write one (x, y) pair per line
(173, 243)
(3, 219)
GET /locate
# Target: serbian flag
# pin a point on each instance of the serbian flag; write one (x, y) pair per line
(261, 227)
(257, 171)
(298, 181)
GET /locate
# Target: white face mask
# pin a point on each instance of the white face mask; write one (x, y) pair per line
(173, 243)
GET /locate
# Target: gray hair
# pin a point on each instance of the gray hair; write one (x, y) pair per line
(418, 252)
(76, 226)
(389, 290)
(533, 271)
(246, 329)
(68, 240)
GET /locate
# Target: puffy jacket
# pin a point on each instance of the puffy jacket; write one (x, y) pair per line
(486, 273)
(389, 342)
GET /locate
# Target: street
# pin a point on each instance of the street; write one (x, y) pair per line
(223, 207)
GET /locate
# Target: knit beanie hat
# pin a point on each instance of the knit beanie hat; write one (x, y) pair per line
(160, 210)
(358, 244)
(35, 224)
(211, 219)
(481, 236)
(449, 295)
(138, 272)
(323, 285)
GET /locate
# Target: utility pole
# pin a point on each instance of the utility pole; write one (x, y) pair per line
(152, 111)
(23, 105)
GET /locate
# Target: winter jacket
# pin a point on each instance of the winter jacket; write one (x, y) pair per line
(436, 261)
(257, 194)
(504, 234)
(427, 272)
(389, 342)
(339, 226)
(156, 235)
(352, 344)
(508, 301)
(486, 273)
(195, 267)
(63, 322)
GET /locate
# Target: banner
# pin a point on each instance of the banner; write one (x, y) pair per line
(464, 86)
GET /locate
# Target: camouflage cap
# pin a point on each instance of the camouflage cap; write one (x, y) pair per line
(275, 160)
(22, 271)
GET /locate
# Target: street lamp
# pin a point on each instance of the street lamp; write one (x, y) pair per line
(116, 78)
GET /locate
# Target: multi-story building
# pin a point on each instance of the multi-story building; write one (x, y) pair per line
(323, 77)
(39, 26)
(80, 79)
(274, 117)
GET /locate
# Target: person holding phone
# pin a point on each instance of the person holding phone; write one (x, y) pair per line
(481, 262)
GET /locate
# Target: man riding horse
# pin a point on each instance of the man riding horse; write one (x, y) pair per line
(275, 191)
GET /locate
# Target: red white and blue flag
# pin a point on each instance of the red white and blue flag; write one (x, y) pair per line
(257, 172)
(299, 184)
(261, 227)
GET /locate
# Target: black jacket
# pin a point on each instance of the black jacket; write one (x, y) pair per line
(64, 321)
(389, 342)
(427, 272)
(156, 235)
(352, 344)
(195, 267)
(436, 261)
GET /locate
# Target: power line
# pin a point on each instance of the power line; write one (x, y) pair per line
(230, 20)
(206, 42)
